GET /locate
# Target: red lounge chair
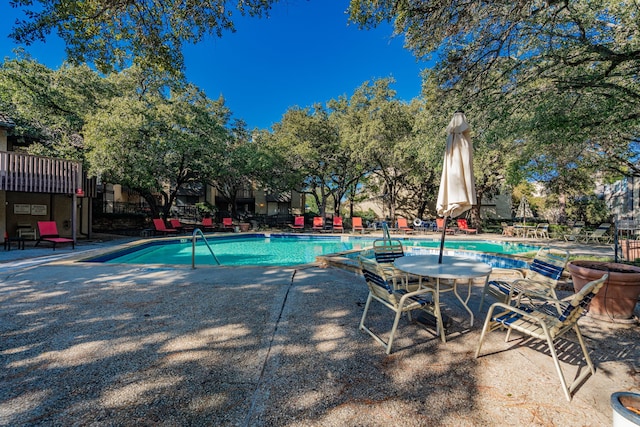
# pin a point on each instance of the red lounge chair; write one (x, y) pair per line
(160, 227)
(175, 223)
(48, 231)
(298, 223)
(318, 223)
(207, 224)
(356, 224)
(463, 226)
(227, 223)
(440, 226)
(337, 224)
(403, 226)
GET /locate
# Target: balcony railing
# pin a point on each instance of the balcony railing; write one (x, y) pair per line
(34, 174)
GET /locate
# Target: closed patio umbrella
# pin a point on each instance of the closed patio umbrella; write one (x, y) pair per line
(457, 187)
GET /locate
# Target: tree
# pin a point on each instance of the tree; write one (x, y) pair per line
(113, 34)
(236, 166)
(50, 106)
(557, 64)
(153, 143)
(312, 145)
(380, 130)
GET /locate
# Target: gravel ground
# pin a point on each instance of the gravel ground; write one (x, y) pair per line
(114, 345)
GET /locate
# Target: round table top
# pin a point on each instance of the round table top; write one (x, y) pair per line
(452, 267)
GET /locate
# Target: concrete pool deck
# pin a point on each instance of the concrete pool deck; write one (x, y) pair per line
(103, 344)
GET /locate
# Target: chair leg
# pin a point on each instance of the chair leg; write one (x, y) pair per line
(387, 345)
(588, 372)
(568, 390)
(393, 330)
(556, 362)
(366, 308)
(585, 352)
(487, 322)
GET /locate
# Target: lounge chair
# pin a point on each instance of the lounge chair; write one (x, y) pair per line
(298, 223)
(547, 321)
(175, 223)
(440, 226)
(507, 230)
(541, 278)
(403, 226)
(161, 227)
(599, 235)
(318, 224)
(227, 224)
(541, 231)
(337, 224)
(48, 232)
(576, 232)
(464, 227)
(356, 224)
(207, 224)
(398, 300)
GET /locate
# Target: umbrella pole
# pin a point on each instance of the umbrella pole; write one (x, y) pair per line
(444, 230)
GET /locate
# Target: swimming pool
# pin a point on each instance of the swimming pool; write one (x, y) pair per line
(281, 249)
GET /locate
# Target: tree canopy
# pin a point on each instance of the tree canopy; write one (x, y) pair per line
(566, 71)
(550, 88)
(116, 34)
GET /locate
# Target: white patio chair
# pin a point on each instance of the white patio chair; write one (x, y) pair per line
(397, 300)
(547, 321)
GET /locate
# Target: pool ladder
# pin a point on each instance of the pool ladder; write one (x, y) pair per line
(386, 235)
(194, 238)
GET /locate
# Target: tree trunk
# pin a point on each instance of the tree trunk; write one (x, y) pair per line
(562, 208)
(476, 219)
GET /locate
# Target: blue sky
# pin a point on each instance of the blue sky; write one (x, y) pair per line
(305, 52)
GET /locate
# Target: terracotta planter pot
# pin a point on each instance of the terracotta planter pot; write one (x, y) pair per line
(617, 299)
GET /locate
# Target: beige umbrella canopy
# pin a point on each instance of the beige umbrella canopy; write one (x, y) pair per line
(457, 187)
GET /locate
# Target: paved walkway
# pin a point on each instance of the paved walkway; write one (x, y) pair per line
(128, 345)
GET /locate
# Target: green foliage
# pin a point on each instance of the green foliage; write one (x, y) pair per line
(151, 142)
(113, 34)
(48, 106)
(562, 76)
(205, 208)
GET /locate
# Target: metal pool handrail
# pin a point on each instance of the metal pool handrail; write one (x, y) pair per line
(385, 232)
(194, 237)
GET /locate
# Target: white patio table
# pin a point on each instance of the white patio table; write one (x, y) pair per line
(452, 271)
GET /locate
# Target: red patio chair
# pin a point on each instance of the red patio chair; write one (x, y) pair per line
(48, 232)
(161, 227)
(337, 224)
(318, 223)
(440, 226)
(464, 226)
(298, 223)
(227, 223)
(207, 224)
(175, 223)
(403, 226)
(356, 224)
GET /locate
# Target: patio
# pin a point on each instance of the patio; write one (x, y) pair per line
(122, 345)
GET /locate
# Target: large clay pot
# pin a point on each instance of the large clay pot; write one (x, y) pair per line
(618, 297)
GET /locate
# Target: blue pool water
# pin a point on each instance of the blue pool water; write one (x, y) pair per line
(281, 249)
